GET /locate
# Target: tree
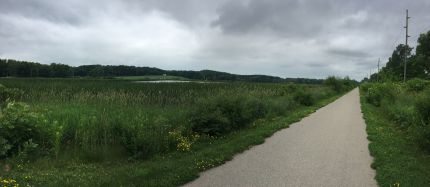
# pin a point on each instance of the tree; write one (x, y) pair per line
(61, 70)
(423, 53)
(3, 68)
(98, 71)
(395, 64)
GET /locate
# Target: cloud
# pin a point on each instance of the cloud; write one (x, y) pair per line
(288, 38)
(293, 18)
(347, 53)
(123, 39)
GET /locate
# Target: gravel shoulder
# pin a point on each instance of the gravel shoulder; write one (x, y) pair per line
(327, 148)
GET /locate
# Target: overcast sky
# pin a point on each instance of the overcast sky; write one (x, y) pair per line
(287, 38)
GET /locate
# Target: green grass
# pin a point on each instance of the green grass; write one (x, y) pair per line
(170, 169)
(120, 133)
(398, 160)
(152, 78)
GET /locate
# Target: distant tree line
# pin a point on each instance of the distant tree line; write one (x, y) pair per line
(14, 68)
(418, 64)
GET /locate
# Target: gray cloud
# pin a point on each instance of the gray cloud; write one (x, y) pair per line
(56, 11)
(289, 38)
(293, 18)
(348, 53)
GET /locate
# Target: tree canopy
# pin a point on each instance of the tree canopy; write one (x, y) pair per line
(16, 68)
(418, 64)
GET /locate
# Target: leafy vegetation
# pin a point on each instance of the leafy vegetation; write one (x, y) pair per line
(21, 131)
(339, 84)
(397, 117)
(398, 125)
(221, 115)
(114, 132)
(417, 84)
(418, 64)
(375, 93)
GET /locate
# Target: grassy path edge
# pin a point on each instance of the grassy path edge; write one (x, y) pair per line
(397, 160)
(241, 141)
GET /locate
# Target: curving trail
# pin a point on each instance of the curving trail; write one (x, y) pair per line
(327, 148)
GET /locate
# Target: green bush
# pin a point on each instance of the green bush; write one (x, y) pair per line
(422, 104)
(334, 83)
(220, 115)
(409, 111)
(374, 96)
(280, 106)
(21, 131)
(403, 115)
(340, 84)
(304, 98)
(416, 84)
(365, 87)
(323, 93)
(377, 92)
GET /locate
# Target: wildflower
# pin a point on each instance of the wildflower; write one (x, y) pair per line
(184, 143)
(8, 182)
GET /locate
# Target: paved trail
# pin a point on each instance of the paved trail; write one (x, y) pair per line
(327, 148)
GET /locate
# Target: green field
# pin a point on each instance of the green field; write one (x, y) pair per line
(98, 132)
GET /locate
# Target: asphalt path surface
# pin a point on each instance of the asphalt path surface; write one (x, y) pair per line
(327, 148)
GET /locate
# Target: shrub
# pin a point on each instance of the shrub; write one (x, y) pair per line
(304, 98)
(422, 105)
(334, 83)
(403, 115)
(377, 92)
(280, 106)
(340, 84)
(416, 84)
(20, 130)
(348, 84)
(322, 94)
(220, 115)
(365, 87)
(374, 96)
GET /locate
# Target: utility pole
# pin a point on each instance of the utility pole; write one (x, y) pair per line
(370, 75)
(406, 45)
(377, 75)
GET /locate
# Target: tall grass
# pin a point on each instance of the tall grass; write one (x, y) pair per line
(99, 119)
(114, 132)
